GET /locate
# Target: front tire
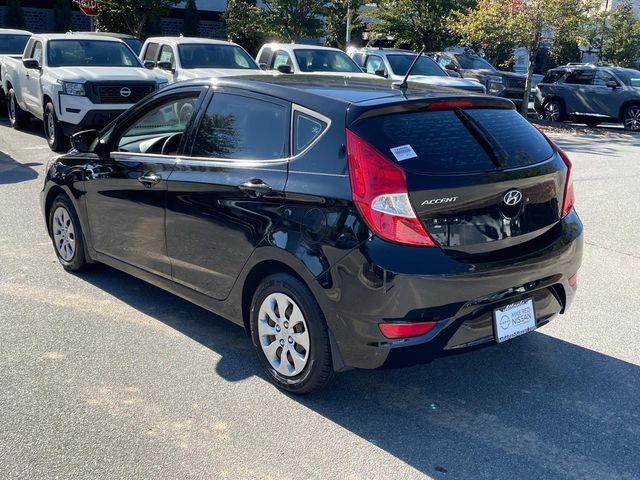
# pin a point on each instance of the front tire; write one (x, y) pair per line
(57, 140)
(290, 335)
(553, 111)
(631, 118)
(66, 235)
(18, 118)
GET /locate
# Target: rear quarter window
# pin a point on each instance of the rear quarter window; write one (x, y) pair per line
(443, 145)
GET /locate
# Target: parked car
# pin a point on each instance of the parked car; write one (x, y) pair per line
(134, 43)
(342, 222)
(497, 82)
(12, 44)
(73, 82)
(591, 94)
(394, 64)
(184, 58)
(307, 59)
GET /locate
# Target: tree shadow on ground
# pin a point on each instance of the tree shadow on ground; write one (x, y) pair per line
(535, 407)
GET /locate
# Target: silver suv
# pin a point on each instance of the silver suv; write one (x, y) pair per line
(590, 94)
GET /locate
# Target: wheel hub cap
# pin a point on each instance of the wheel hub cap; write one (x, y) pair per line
(64, 235)
(283, 333)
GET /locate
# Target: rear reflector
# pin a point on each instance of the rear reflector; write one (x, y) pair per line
(405, 330)
(573, 279)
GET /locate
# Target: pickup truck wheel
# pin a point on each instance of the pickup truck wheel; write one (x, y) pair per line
(18, 118)
(57, 140)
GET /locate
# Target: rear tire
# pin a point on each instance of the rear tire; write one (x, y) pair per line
(631, 118)
(57, 140)
(290, 335)
(66, 235)
(553, 111)
(18, 118)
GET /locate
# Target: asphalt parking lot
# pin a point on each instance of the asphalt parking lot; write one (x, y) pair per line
(104, 376)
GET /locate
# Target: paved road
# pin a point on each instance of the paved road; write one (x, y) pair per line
(104, 376)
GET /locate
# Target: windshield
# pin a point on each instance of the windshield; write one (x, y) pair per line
(210, 55)
(95, 53)
(400, 63)
(13, 44)
(473, 61)
(629, 76)
(311, 60)
(134, 44)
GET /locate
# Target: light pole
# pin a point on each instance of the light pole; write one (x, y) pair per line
(348, 34)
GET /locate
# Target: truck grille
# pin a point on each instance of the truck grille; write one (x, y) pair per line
(121, 93)
(515, 82)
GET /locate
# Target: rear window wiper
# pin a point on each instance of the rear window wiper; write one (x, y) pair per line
(495, 151)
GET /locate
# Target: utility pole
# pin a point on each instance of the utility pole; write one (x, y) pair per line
(348, 35)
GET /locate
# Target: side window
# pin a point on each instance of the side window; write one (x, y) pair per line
(166, 55)
(152, 52)
(374, 63)
(264, 56)
(281, 58)
(553, 76)
(602, 78)
(581, 77)
(238, 127)
(305, 130)
(37, 52)
(160, 129)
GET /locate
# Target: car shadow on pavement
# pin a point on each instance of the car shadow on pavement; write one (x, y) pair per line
(535, 407)
(12, 171)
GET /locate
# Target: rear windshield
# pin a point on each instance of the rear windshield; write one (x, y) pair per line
(440, 143)
(13, 44)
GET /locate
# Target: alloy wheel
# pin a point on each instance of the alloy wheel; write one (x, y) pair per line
(12, 108)
(51, 128)
(632, 119)
(552, 111)
(64, 235)
(283, 334)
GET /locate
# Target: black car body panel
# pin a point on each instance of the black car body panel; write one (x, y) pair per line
(200, 232)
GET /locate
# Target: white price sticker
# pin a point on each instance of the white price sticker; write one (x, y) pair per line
(403, 152)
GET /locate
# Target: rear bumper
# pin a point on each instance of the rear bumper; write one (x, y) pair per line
(381, 281)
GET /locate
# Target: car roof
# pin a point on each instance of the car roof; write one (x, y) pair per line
(298, 46)
(383, 50)
(188, 40)
(12, 31)
(107, 34)
(76, 36)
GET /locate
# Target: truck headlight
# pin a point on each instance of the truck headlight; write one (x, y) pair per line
(495, 85)
(73, 88)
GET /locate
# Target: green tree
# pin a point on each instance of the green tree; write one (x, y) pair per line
(416, 22)
(290, 20)
(616, 35)
(62, 18)
(13, 15)
(245, 24)
(531, 24)
(335, 15)
(130, 16)
(191, 22)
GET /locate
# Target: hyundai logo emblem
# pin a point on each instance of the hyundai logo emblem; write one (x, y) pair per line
(125, 91)
(512, 197)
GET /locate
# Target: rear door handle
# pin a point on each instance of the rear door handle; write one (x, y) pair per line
(148, 179)
(255, 187)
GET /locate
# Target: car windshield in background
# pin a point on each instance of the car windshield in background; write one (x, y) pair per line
(13, 44)
(473, 61)
(311, 60)
(194, 55)
(629, 76)
(400, 63)
(94, 53)
(134, 44)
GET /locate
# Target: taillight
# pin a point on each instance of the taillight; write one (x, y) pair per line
(569, 196)
(379, 189)
(405, 330)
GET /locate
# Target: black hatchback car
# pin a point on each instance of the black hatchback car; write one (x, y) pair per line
(344, 223)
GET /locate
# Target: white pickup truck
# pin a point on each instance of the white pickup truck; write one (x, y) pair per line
(74, 82)
(184, 58)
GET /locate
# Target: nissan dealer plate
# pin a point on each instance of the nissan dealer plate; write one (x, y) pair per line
(514, 320)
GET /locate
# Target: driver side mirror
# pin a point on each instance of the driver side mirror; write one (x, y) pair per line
(381, 73)
(284, 69)
(31, 63)
(85, 141)
(166, 66)
(451, 66)
(149, 64)
(612, 84)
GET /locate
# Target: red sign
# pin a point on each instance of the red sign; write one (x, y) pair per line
(88, 7)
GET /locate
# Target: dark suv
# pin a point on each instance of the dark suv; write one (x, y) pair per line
(342, 222)
(590, 94)
(497, 82)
